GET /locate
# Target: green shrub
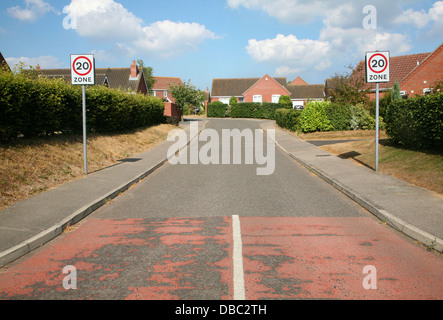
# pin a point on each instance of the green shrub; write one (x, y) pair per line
(315, 118)
(217, 109)
(361, 119)
(265, 110)
(285, 100)
(288, 119)
(417, 122)
(340, 116)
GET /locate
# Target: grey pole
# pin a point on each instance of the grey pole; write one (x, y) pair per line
(377, 134)
(85, 154)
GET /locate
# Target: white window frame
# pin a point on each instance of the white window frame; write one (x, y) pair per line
(275, 98)
(257, 98)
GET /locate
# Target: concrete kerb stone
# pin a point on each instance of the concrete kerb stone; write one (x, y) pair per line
(54, 231)
(393, 221)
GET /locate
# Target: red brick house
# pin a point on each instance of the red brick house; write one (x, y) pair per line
(265, 89)
(161, 87)
(416, 73)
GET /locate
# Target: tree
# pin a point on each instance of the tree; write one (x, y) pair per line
(232, 101)
(349, 88)
(395, 94)
(286, 100)
(149, 75)
(187, 96)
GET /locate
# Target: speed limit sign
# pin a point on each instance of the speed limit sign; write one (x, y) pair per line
(82, 69)
(377, 67)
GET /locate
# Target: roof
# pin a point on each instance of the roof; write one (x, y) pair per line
(401, 67)
(298, 81)
(307, 91)
(3, 62)
(116, 77)
(163, 83)
(236, 87)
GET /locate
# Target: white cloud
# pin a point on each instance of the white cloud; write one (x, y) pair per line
(422, 19)
(168, 38)
(45, 62)
(104, 20)
(293, 53)
(109, 21)
(34, 10)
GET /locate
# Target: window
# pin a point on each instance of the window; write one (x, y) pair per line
(257, 98)
(165, 94)
(275, 98)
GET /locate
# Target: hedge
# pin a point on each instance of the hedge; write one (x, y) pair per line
(217, 109)
(288, 119)
(417, 122)
(33, 107)
(265, 110)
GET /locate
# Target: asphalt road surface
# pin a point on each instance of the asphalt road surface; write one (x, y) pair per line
(215, 232)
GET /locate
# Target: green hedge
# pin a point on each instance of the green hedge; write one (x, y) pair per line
(417, 122)
(265, 110)
(326, 116)
(288, 119)
(33, 107)
(217, 109)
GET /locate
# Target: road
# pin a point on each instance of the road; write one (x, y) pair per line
(220, 231)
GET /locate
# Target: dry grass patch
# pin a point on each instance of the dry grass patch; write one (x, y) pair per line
(342, 135)
(424, 169)
(28, 167)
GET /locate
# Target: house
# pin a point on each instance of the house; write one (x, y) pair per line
(265, 89)
(301, 94)
(130, 79)
(161, 87)
(298, 81)
(415, 73)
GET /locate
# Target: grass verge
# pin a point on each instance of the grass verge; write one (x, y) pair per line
(31, 166)
(422, 168)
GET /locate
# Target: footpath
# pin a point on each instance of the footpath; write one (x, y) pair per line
(30, 223)
(412, 210)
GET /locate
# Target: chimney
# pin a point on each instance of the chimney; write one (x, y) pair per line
(133, 70)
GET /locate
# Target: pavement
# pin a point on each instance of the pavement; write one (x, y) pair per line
(31, 223)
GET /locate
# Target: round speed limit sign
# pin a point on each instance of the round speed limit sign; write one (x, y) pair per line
(377, 67)
(82, 69)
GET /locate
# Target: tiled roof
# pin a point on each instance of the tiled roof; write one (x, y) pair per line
(162, 83)
(400, 67)
(116, 77)
(298, 81)
(308, 91)
(236, 87)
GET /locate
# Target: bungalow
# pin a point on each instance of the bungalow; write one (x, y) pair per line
(265, 89)
(415, 73)
(130, 79)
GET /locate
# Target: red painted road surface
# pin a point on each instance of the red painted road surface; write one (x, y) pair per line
(191, 258)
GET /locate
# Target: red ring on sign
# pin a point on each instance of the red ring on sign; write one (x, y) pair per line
(90, 66)
(378, 54)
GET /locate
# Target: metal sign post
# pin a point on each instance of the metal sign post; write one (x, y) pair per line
(377, 71)
(83, 73)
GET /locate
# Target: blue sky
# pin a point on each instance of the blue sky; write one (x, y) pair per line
(200, 40)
